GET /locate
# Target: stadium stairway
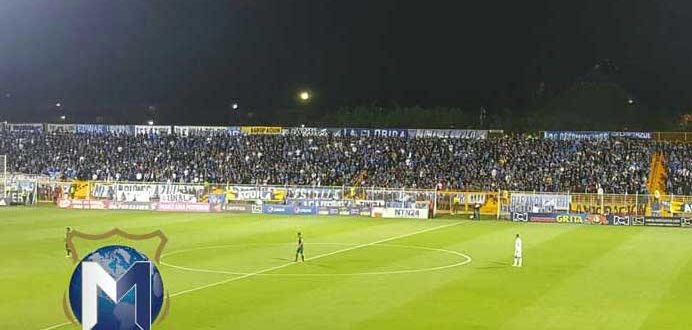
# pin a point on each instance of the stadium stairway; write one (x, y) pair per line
(359, 178)
(658, 174)
(656, 183)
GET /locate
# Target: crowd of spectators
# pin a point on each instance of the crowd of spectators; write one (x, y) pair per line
(512, 163)
(679, 163)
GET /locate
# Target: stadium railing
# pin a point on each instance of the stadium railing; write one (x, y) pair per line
(498, 203)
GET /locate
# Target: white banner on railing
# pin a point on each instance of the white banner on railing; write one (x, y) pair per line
(199, 130)
(538, 203)
(146, 192)
(152, 129)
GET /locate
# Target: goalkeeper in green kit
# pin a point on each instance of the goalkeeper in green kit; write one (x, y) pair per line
(299, 250)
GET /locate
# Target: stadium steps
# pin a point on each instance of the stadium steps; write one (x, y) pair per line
(359, 178)
(657, 181)
(657, 175)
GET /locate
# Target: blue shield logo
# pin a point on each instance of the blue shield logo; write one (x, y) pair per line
(116, 287)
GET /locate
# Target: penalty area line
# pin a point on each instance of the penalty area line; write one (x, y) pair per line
(266, 270)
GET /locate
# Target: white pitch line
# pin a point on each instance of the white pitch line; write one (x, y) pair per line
(266, 270)
(467, 260)
(57, 326)
(288, 264)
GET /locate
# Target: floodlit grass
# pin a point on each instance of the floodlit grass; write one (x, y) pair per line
(574, 277)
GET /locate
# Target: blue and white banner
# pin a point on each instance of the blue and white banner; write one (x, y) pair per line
(448, 134)
(198, 130)
(539, 203)
(320, 202)
(121, 129)
(632, 135)
(373, 132)
(216, 198)
(92, 129)
(152, 129)
(25, 127)
(316, 193)
(61, 128)
(308, 131)
(575, 135)
(288, 209)
(591, 135)
(233, 130)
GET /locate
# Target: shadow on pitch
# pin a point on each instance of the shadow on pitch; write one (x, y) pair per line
(496, 265)
(306, 263)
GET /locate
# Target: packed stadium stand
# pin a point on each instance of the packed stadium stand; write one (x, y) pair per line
(679, 164)
(516, 162)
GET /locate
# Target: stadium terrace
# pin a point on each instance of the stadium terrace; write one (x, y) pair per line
(469, 160)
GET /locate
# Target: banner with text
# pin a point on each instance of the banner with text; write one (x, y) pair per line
(132, 192)
(538, 203)
(390, 212)
(373, 132)
(152, 129)
(333, 193)
(254, 193)
(448, 133)
(261, 130)
(308, 131)
(199, 130)
(592, 135)
(61, 128)
(37, 128)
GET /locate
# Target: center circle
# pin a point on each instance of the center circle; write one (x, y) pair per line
(460, 259)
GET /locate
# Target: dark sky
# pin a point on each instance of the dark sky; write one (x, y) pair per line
(197, 55)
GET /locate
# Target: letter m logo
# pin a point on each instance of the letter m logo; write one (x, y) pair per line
(138, 277)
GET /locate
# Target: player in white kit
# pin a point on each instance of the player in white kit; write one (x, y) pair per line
(517, 252)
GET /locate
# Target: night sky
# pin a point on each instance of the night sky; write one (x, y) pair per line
(193, 58)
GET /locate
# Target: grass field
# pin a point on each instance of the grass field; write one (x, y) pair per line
(236, 272)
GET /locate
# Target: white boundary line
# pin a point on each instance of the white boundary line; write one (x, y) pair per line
(57, 326)
(467, 259)
(308, 259)
(233, 279)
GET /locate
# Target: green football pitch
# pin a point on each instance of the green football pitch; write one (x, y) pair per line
(228, 271)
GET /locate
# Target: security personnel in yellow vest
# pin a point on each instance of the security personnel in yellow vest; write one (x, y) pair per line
(455, 204)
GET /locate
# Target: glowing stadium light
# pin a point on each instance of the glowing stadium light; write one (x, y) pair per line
(58, 105)
(234, 106)
(304, 96)
(630, 101)
(62, 117)
(150, 123)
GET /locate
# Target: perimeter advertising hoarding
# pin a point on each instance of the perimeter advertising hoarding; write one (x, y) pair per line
(663, 221)
(83, 204)
(573, 218)
(392, 212)
(183, 207)
(288, 209)
(237, 208)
